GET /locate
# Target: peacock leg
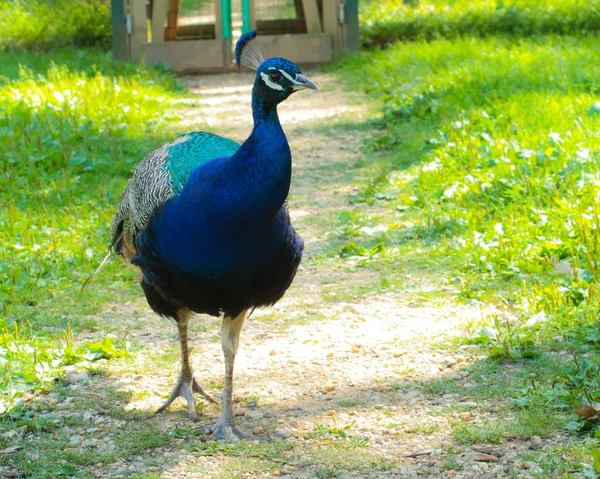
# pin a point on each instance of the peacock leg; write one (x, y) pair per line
(186, 384)
(230, 338)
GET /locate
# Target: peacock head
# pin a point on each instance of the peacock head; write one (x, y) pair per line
(276, 78)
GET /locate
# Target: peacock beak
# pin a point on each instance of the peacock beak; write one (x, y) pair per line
(302, 83)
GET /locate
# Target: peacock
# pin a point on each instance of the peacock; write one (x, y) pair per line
(206, 221)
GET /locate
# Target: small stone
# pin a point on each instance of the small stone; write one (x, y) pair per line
(378, 388)
(77, 378)
(481, 457)
(468, 404)
(535, 442)
(399, 354)
(122, 471)
(558, 339)
(259, 431)
(282, 434)
(329, 387)
(331, 412)
(268, 414)
(294, 423)
(449, 362)
(286, 476)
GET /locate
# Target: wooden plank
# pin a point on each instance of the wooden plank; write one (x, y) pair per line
(119, 31)
(159, 15)
(252, 7)
(299, 48)
(199, 31)
(331, 24)
(281, 27)
(139, 32)
(188, 55)
(311, 15)
(218, 20)
(172, 20)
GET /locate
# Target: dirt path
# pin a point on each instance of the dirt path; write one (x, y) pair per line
(348, 388)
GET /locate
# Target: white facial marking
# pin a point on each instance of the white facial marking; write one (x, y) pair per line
(285, 74)
(269, 83)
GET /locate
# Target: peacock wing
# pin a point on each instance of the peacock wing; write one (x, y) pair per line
(160, 176)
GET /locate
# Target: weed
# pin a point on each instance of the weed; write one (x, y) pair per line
(486, 432)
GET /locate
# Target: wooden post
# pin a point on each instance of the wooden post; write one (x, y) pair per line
(172, 20)
(139, 28)
(331, 24)
(159, 14)
(311, 16)
(119, 30)
(252, 7)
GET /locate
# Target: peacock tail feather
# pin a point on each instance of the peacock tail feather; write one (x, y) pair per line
(160, 176)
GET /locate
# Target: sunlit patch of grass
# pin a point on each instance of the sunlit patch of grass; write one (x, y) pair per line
(383, 22)
(71, 136)
(50, 23)
(491, 184)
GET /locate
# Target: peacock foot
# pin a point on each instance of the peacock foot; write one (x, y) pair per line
(186, 390)
(225, 429)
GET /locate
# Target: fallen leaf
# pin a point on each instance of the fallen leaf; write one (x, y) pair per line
(14, 474)
(586, 411)
(481, 457)
(424, 452)
(11, 450)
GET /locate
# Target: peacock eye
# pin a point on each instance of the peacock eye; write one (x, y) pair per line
(275, 76)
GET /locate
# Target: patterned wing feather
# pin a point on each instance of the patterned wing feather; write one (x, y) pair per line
(160, 176)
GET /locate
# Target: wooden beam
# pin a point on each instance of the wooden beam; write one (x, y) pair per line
(331, 24)
(119, 31)
(172, 20)
(189, 55)
(218, 20)
(159, 15)
(252, 14)
(139, 30)
(311, 14)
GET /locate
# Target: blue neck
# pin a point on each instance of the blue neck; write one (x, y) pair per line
(264, 162)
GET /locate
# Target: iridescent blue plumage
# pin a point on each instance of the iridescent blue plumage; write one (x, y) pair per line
(196, 149)
(241, 44)
(215, 234)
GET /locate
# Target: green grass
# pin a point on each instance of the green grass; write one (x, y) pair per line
(484, 181)
(44, 24)
(72, 130)
(384, 22)
(492, 154)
